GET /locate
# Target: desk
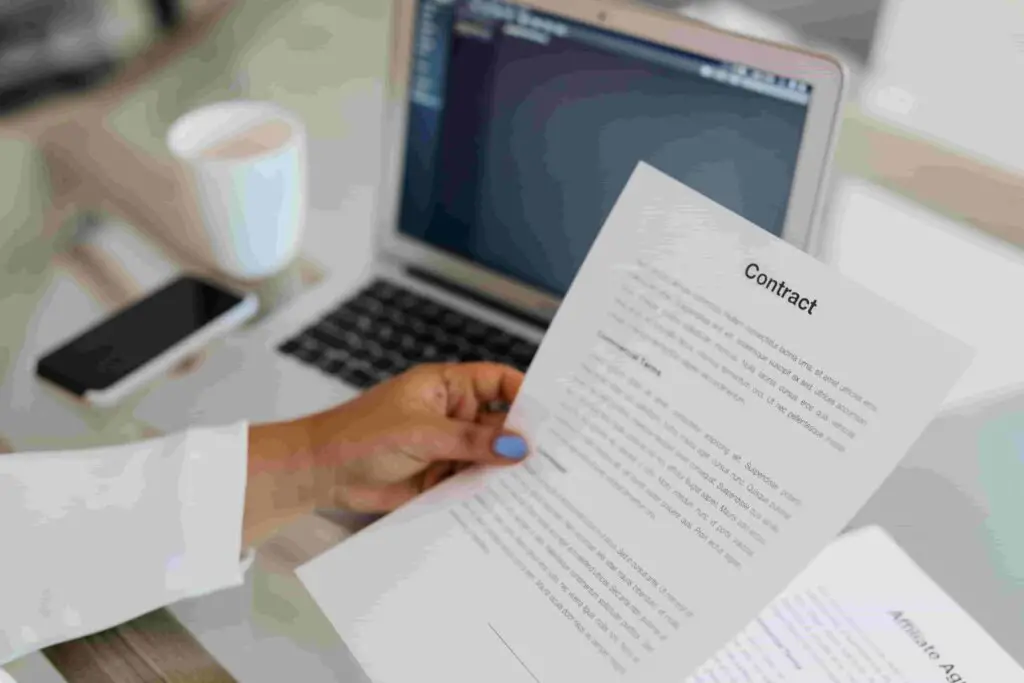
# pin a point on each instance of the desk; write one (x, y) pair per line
(269, 627)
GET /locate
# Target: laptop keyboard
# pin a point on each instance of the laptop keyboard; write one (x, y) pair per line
(385, 329)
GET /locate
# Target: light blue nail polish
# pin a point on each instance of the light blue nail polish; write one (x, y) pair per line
(511, 447)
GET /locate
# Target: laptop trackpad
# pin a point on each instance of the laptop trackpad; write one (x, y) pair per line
(239, 382)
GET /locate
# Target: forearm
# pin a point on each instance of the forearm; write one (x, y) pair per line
(280, 479)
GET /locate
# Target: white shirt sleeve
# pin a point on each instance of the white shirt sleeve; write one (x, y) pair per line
(92, 538)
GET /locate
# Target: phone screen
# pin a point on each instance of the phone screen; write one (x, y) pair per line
(129, 339)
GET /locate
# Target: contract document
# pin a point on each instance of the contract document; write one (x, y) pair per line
(707, 410)
(862, 612)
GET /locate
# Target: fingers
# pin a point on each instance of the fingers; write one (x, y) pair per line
(435, 473)
(492, 419)
(474, 442)
(473, 385)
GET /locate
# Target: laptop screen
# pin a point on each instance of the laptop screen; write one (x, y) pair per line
(523, 128)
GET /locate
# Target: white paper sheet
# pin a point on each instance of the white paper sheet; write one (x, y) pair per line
(862, 611)
(698, 439)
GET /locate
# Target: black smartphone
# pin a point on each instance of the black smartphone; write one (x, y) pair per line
(137, 344)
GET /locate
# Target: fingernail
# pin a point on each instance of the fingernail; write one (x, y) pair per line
(510, 446)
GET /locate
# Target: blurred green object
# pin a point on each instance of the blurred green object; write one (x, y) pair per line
(1001, 461)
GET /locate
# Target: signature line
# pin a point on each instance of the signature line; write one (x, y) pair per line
(509, 648)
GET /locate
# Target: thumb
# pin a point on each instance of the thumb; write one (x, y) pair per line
(475, 442)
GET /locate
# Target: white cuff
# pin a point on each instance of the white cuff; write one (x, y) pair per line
(97, 537)
(212, 503)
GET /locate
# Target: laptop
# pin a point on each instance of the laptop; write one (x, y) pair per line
(511, 128)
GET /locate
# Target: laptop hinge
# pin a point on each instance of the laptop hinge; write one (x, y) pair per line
(482, 299)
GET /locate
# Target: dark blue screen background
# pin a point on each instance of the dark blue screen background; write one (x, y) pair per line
(519, 158)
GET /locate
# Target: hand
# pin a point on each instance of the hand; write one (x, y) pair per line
(404, 436)
(383, 448)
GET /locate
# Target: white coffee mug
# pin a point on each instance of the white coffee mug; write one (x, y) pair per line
(248, 163)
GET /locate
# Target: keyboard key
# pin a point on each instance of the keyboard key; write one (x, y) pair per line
(326, 336)
(289, 347)
(452, 322)
(383, 364)
(430, 312)
(476, 332)
(358, 376)
(523, 353)
(330, 365)
(342, 356)
(307, 353)
(409, 302)
(344, 318)
(367, 305)
(382, 290)
(373, 349)
(385, 333)
(433, 335)
(396, 316)
(499, 342)
(401, 364)
(360, 355)
(523, 349)
(451, 348)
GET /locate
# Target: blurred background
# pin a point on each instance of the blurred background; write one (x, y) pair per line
(47, 46)
(848, 27)
(51, 45)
